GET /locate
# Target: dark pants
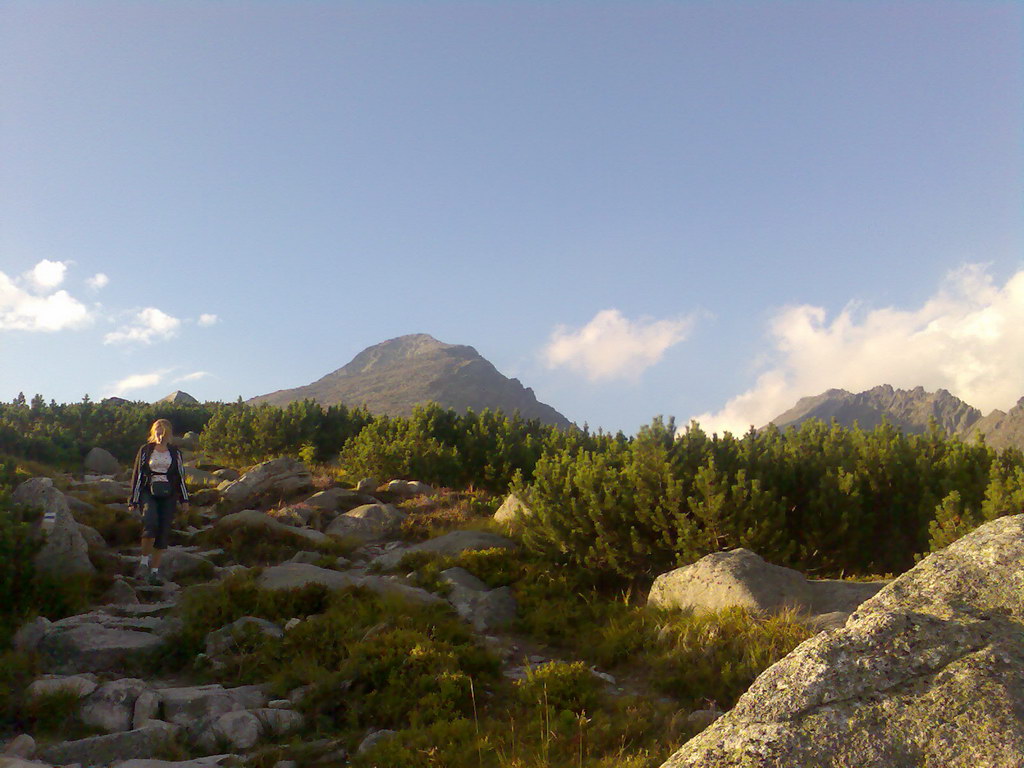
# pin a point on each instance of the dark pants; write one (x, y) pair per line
(157, 519)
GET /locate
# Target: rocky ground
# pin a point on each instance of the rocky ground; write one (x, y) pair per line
(96, 656)
(925, 670)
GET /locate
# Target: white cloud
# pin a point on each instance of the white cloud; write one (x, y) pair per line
(136, 381)
(47, 274)
(23, 311)
(206, 319)
(613, 347)
(968, 339)
(97, 281)
(149, 324)
(191, 377)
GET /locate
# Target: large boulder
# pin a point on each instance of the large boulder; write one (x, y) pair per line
(196, 706)
(409, 488)
(65, 551)
(111, 707)
(740, 578)
(143, 742)
(930, 671)
(275, 479)
(100, 461)
(177, 563)
(370, 522)
(295, 575)
(99, 642)
(737, 578)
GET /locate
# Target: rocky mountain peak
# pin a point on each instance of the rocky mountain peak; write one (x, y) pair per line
(179, 398)
(394, 376)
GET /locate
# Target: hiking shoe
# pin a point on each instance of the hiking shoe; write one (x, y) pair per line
(154, 579)
(142, 572)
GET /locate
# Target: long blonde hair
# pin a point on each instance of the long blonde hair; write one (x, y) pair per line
(168, 429)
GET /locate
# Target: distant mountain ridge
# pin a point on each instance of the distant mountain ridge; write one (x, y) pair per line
(911, 410)
(397, 374)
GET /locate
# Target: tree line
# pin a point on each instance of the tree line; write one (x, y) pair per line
(822, 498)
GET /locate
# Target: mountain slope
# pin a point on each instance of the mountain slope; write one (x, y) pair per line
(393, 376)
(1001, 429)
(909, 409)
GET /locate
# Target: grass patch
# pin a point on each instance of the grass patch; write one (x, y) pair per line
(255, 545)
(430, 516)
(692, 657)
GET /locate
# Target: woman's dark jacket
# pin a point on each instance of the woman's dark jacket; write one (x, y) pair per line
(141, 474)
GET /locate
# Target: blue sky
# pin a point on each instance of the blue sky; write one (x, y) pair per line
(638, 208)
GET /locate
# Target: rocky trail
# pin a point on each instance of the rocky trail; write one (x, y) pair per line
(97, 655)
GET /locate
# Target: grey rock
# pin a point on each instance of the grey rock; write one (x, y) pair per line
(254, 519)
(486, 609)
(390, 586)
(832, 595)
(178, 563)
(929, 671)
(196, 707)
(93, 539)
(700, 719)
(204, 497)
(120, 593)
(227, 638)
(30, 633)
(309, 558)
(292, 575)
(98, 642)
(367, 485)
(111, 707)
(239, 729)
(83, 685)
(101, 462)
(102, 750)
(463, 579)
(721, 580)
(453, 543)
(277, 478)
(370, 522)
(188, 442)
(279, 721)
(227, 474)
(374, 738)
(64, 552)
(76, 506)
(512, 510)
(147, 707)
(826, 621)
(409, 488)
(334, 499)
(23, 746)
(13, 761)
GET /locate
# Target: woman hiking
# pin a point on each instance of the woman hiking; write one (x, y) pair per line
(158, 486)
